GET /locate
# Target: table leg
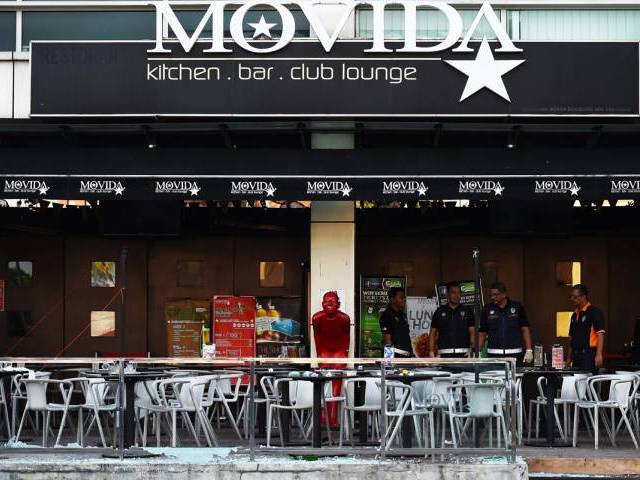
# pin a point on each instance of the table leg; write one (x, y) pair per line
(362, 416)
(317, 414)
(285, 415)
(129, 415)
(550, 393)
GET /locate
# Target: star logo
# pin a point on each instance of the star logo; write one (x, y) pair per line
(118, 190)
(422, 191)
(498, 190)
(43, 189)
(194, 190)
(574, 190)
(484, 72)
(270, 191)
(346, 191)
(262, 28)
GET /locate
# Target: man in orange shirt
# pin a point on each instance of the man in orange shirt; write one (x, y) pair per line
(586, 332)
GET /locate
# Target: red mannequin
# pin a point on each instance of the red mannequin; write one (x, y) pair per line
(331, 331)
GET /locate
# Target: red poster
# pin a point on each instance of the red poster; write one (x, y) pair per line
(1, 295)
(234, 326)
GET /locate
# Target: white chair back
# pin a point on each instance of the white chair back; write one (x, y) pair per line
(36, 394)
(372, 395)
(301, 394)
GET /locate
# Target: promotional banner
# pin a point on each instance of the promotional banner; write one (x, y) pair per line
(279, 327)
(301, 78)
(467, 287)
(373, 301)
(419, 315)
(234, 326)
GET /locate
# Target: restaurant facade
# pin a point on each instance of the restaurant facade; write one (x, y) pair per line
(154, 155)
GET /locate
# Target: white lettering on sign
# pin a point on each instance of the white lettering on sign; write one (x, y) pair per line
(214, 16)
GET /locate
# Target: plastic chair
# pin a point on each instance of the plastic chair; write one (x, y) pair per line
(483, 400)
(541, 401)
(621, 394)
(96, 394)
(372, 406)
(301, 399)
(399, 397)
(36, 389)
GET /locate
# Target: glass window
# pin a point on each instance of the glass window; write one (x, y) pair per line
(189, 274)
(272, 274)
(20, 273)
(402, 269)
(190, 20)
(431, 24)
(87, 26)
(19, 323)
(567, 273)
(103, 324)
(563, 319)
(575, 24)
(103, 274)
(7, 31)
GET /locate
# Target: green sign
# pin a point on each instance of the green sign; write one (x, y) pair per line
(373, 301)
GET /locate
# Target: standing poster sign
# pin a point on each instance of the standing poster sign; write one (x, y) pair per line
(234, 326)
(373, 301)
(468, 289)
(186, 319)
(419, 314)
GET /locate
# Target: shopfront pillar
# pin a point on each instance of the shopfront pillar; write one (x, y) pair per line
(333, 244)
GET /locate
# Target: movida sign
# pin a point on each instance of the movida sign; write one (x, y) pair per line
(214, 17)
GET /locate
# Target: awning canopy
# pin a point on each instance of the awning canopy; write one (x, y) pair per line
(122, 172)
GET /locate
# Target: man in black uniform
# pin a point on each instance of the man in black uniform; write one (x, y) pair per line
(505, 322)
(586, 332)
(394, 324)
(452, 327)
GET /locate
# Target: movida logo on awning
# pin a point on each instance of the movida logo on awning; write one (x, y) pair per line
(178, 186)
(557, 186)
(485, 71)
(253, 188)
(332, 187)
(102, 186)
(33, 186)
(481, 186)
(404, 187)
(625, 186)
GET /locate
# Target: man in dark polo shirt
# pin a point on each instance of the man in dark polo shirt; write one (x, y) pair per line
(394, 324)
(505, 322)
(586, 331)
(452, 327)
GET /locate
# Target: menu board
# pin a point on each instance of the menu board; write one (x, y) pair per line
(373, 301)
(186, 319)
(183, 338)
(234, 326)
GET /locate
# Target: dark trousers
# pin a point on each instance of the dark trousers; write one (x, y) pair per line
(518, 356)
(584, 360)
(453, 355)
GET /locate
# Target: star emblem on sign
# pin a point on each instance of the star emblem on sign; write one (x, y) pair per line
(43, 189)
(574, 190)
(194, 191)
(498, 190)
(484, 72)
(422, 191)
(118, 190)
(270, 191)
(346, 191)
(262, 28)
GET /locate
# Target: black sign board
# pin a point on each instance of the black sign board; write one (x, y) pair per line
(85, 78)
